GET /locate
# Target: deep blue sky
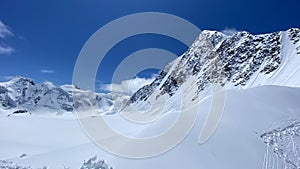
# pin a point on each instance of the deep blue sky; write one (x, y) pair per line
(48, 35)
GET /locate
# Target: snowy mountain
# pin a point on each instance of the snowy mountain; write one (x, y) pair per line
(259, 127)
(241, 60)
(22, 95)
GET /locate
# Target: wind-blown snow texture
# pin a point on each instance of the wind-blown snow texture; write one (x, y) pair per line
(285, 143)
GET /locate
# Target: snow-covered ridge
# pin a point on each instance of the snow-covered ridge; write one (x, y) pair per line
(241, 60)
(22, 94)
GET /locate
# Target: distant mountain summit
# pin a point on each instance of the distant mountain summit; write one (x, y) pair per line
(24, 93)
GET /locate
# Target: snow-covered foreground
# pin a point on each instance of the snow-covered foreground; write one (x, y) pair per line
(237, 142)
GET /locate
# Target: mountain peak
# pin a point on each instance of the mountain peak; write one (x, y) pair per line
(238, 60)
(20, 79)
(21, 93)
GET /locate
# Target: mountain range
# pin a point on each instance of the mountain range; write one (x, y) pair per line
(240, 60)
(23, 95)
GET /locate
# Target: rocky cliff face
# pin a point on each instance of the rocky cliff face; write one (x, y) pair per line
(238, 60)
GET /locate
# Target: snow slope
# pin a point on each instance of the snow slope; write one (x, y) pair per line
(237, 143)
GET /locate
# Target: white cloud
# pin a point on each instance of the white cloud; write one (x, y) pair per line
(229, 31)
(128, 87)
(4, 30)
(47, 71)
(51, 84)
(4, 33)
(5, 49)
(8, 77)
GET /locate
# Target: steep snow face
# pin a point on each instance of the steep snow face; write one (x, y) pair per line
(241, 60)
(23, 93)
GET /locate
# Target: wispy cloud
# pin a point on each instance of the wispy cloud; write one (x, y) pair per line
(45, 71)
(128, 87)
(229, 31)
(5, 32)
(6, 78)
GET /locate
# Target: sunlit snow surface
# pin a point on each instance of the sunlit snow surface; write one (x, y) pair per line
(237, 143)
